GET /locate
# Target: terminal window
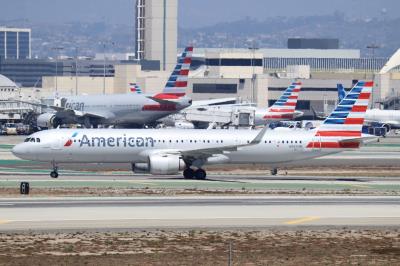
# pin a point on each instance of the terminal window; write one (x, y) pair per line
(214, 88)
(234, 62)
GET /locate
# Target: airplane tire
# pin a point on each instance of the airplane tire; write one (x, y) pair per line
(274, 171)
(188, 173)
(200, 174)
(54, 174)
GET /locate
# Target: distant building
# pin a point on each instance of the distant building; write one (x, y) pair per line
(15, 43)
(29, 72)
(157, 32)
(304, 43)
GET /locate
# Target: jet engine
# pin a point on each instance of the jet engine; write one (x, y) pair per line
(165, 164)
(48, 120)
(140, 168)
(184, 125)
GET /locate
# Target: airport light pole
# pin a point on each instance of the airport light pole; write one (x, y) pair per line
(76, 70)
(253, 49)
(104, 68)
(58, 49)
(372, 47)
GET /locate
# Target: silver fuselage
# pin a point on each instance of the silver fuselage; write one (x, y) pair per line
(136, 145)
(127, 108)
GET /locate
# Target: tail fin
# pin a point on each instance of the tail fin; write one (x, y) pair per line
(135, 88)
(177, 82)
(344, 125)
(288, 100)
(341, 92)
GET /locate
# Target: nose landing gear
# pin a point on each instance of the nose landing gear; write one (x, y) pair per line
(54, 173)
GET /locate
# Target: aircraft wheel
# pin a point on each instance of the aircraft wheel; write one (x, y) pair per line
(274, 171)
(200, 174)
(188, 173)
(54, 174)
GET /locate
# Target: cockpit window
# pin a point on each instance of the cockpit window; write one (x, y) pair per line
(32, 140)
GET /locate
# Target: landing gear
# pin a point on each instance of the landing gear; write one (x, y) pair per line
(198, 174)
(54, 173)
(274, 171)
(188, 173)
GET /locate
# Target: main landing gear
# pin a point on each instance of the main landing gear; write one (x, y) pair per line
(199, 174)
(274, 171)
(54, 173)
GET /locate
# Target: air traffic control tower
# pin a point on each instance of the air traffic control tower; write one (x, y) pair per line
(157, 32)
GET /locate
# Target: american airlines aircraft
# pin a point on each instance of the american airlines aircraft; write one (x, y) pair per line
(387, 118)
(129, 109)
(164, 151)
(283, 109)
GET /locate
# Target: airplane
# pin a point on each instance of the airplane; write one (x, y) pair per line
(390, 119)
(129, 109)
(169, 151)
(283, 109)
(134, 87)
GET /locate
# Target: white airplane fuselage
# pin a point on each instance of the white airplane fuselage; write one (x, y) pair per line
(388, 117)
(136, 145)
(126, 108)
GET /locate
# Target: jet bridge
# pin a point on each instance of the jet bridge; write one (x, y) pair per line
(239, 116)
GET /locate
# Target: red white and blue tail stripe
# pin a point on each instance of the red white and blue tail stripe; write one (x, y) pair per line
(135, 88)
(285, 106)
(344, 125)
(177, 83)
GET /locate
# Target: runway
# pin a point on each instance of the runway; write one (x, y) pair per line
(196, 212)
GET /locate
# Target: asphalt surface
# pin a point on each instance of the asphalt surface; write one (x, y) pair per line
(196, 212)
(135, 213)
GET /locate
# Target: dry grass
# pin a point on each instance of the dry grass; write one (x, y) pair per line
(198, 247)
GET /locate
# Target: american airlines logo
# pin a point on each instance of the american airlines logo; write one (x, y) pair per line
(69, 141)
(123, 141)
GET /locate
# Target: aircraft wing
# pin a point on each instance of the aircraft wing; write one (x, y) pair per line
(209, 152)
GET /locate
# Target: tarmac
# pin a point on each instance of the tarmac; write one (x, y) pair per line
(379, 205)
(195, 212)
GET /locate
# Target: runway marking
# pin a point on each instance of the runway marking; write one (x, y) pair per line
(4, 222)
(360, 186)
(303, 220)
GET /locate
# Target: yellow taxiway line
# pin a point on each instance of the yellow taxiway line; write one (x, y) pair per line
(303, 220)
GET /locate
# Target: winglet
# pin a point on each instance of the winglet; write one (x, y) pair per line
(259, 137)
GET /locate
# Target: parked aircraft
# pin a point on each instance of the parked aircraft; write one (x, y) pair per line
(283, 109)
(130, 109)
(387, 118)
(168, 151)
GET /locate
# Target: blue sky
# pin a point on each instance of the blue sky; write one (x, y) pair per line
(193, 13)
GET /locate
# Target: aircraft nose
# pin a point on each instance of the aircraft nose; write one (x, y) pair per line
(19, 150)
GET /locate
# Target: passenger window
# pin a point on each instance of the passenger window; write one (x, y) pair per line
(32, 140)
(27, 139)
